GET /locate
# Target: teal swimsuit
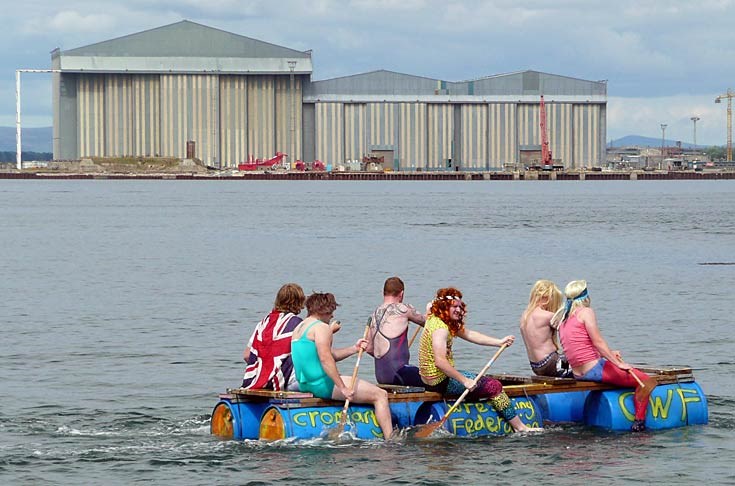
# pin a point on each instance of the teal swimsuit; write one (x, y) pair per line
(308, 368)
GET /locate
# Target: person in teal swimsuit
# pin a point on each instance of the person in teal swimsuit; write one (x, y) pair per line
(315, 362)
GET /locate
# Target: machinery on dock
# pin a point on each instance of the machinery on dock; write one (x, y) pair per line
(260, 164)
(547, 162)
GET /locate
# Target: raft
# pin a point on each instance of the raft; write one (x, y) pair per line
(677, 401)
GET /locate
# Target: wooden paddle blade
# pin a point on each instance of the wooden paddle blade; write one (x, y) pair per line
(644, 390)
(426, 430)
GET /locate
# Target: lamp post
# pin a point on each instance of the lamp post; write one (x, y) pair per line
(663, 143)
(291, 144)
(695, 119)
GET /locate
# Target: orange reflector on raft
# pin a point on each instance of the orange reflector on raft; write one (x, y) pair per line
(222, 421)
(272, 426)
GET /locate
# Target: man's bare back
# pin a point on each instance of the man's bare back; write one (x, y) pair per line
(538, 334)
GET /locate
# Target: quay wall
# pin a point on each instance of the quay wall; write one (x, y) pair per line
(379, 176)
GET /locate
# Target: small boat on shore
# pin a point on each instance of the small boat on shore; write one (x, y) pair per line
(677, 401)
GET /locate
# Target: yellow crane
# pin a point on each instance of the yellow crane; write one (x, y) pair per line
(729, 95)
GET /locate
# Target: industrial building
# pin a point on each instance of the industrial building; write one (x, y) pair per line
(227, 97)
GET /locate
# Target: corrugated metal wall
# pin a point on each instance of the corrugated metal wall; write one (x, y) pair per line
(147, 115)
(440, 135)
(288, 117)
(381, 124)
(474, 144)
(91, 115)
(502, 134)
(189, 111)
(261, 117)
(330, 133)
(355, 126)
(233, 120)
(412, 126)
(586, 136)
(119, 103)
(559, 126)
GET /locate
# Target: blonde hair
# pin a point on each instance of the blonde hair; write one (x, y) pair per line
(572, 291)
(544, 289)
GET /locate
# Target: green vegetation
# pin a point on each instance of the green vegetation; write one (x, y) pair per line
(716, 153)
(10, 156)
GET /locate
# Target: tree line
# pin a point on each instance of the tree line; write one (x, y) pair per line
(10, 156)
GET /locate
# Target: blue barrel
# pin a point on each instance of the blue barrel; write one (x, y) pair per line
(237, 420)
(562, 407)
(281, 422)
(477, 419)
(669, 406)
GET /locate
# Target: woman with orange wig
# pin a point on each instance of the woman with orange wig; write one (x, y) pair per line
(436, 360)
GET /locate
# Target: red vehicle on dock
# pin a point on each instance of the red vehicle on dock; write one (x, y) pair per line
(256, 164)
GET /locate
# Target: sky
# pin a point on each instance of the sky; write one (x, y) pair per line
(665, 61)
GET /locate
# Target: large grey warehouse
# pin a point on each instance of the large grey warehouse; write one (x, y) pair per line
(149, 93)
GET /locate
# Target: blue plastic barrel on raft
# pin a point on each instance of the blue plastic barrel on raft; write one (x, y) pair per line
(237, 420)
(477, 419)
(562, 407)
(281, 422)
(669, 406)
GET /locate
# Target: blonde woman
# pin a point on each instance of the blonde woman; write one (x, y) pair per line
(589, 355)
(543, 351)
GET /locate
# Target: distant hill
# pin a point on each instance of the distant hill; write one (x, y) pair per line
(639, 141)
(33, 139)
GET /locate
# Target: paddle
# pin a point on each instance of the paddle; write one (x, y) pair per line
(427, 429)
(646, 387)
(413, 338)
(334, 433)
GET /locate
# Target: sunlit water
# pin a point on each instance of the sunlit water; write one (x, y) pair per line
(126, 305)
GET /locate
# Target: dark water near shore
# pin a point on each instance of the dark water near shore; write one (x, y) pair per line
(126, 304)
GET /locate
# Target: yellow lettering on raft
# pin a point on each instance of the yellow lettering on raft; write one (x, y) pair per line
(684, 400)
(658, 408)
(621, 404)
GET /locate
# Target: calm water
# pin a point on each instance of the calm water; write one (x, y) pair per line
(126, 305)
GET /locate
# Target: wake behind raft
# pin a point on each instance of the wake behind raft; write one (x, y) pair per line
(677, 401)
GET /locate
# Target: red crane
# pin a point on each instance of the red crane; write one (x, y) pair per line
(547, 162)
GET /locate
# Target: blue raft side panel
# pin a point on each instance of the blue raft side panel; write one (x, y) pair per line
(669, 406)
(245, 418)
(562, 407)
(477, 419)
(312, 422)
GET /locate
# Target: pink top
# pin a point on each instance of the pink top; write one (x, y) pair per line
(576, 342)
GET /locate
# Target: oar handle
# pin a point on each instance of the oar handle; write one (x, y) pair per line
(474, 382)
(643, 385)
(343, 418)
(413, 338)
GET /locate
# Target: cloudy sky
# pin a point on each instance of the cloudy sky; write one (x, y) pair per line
(665, 60)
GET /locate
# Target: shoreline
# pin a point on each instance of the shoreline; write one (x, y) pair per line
(377, 176)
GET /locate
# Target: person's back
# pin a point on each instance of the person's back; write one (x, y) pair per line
(537, 334)
(543, 352)
(388, 337)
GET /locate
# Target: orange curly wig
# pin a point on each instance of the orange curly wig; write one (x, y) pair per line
(440, 308)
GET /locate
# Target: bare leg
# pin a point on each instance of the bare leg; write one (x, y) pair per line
(366, 392)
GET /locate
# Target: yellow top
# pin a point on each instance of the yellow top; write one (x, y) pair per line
(430, 374)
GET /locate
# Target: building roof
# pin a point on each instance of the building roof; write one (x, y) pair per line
(184, 47)
(521, 86)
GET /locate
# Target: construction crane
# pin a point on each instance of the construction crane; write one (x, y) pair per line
(547, 162)
(729, 95)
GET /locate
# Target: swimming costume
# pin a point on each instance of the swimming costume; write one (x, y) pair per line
(430, 374)
(392, 368)
(552, 365)
(309, 372)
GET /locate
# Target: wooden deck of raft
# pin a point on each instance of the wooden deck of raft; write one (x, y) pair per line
(513, 385)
